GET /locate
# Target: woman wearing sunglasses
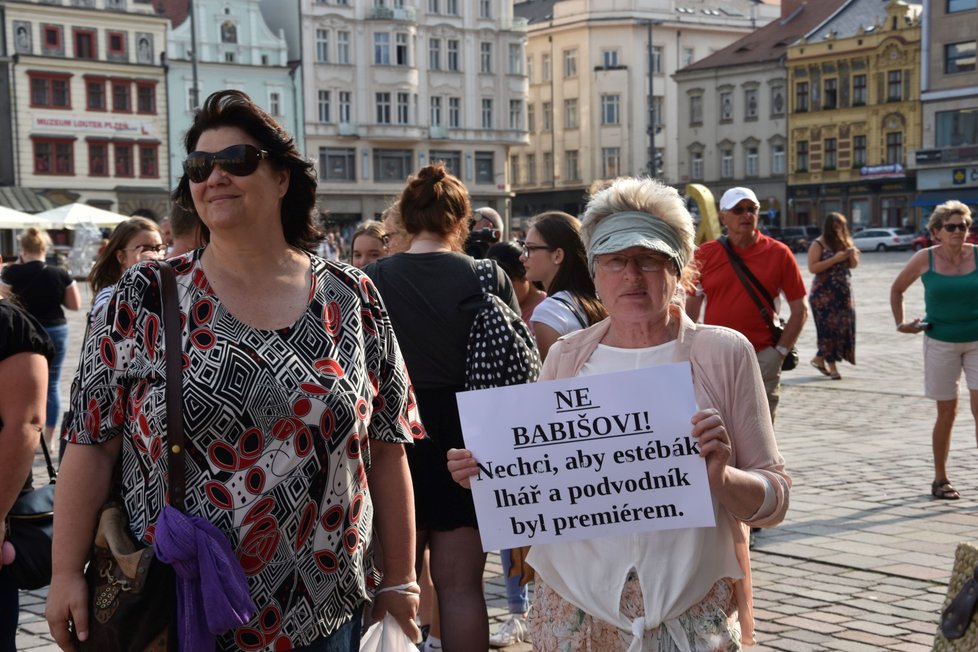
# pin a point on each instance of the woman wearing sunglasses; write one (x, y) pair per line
(133, 241)
(553, 254)
(950, 324)
(295, 398)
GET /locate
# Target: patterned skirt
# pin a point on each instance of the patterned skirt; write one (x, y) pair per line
(556, 625)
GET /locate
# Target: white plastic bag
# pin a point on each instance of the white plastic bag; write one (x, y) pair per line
(386, 636)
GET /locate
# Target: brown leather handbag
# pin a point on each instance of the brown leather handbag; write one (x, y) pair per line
(131, 594)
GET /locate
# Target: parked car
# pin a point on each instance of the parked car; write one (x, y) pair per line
(921, 241)
(885, 239)
(799, 238)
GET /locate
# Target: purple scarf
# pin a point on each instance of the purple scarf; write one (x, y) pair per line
(212, 592)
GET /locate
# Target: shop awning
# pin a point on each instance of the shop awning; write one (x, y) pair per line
(935, 197)
(24, 199)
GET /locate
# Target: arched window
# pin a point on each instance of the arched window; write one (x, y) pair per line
(229, 32)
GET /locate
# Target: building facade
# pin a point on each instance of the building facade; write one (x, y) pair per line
(591, 101)
(946, 165)
(394, 85)
(734, 111)
(88, 108)
(855, 116)
(238, 50)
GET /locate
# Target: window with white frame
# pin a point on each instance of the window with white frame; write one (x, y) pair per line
(656, 58)
(570, 63)
(609, 58)
(454, 112)
(548, 167)
(529, 68)
(382, 49)
(433, 7)
(485, 57)
(752, 162)
(453, 62)
(687, 57)
(435, 102)
(696, 171)
(658, 111)
(403, 100)
(572, 171)
(322, 46)
(275, 103)
(515, 59)
(485, 167)
(531, 118)
(858, 151)
(514, 169)
(545, 65)
(401, 49)
(610, 162)
(345, 106)
(487, 113)
(324, 106)
(610, 104)
(801, 156)
(726, 164)
(451, 7)
(516, 114)
(570, 113)
(531, 169)
(343, 47)
(777, 159)
(434, 54)
(548, 116)
(485, 8)
(383, 103)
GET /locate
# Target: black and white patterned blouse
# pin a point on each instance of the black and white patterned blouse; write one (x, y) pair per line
(277, 425)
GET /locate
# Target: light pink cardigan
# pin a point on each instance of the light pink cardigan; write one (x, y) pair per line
(725, 377)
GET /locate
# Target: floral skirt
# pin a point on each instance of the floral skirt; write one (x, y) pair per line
(558, 626)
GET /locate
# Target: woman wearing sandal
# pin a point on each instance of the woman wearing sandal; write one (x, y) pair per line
(830, 258)
(950, 276)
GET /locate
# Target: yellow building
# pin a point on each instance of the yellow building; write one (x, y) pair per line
(855, 115)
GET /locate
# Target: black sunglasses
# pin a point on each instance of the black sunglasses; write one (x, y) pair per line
(951, 228)
(239, 160)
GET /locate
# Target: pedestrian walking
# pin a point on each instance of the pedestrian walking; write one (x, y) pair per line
(831, 257)
(950, 325)
(729, 302)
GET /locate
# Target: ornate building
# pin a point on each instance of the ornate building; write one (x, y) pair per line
(855, 115)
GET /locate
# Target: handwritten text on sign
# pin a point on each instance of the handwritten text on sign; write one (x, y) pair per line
(586, 457)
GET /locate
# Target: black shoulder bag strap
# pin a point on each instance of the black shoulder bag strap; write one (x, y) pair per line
(174, 385)
(743, 273)
(573, 308)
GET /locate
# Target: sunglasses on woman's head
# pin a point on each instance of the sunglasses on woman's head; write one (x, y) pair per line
(951, 228)
(238, 160)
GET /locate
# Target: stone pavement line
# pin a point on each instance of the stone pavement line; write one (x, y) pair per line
(862, 560)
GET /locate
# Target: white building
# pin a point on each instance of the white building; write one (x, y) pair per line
(391, 86)
(88, 109)
(589, 64)
(236, 49)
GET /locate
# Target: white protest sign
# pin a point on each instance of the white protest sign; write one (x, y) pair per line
(586, 457)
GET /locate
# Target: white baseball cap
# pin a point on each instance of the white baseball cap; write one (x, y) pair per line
(734, 196)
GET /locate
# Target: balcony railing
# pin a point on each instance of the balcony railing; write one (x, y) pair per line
(349, 129)
(514, 24)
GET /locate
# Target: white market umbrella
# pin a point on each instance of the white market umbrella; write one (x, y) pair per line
(73, 215)
(13, 219)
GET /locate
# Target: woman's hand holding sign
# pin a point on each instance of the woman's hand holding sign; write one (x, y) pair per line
(714, 444)
(462, 466)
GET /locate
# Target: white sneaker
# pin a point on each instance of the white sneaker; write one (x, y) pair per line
(513, 631)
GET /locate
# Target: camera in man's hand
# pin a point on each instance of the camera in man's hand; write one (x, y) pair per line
(479, 241)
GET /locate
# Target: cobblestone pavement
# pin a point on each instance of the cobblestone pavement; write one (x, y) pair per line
(862, 559)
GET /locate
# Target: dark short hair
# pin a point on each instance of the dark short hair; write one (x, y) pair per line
(508, 256)
(232, 108)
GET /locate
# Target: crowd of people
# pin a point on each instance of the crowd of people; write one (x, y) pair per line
(324, 440)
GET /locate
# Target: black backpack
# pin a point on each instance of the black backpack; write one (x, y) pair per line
(501, 350)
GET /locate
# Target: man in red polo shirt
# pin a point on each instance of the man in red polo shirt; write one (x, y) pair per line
(727, 301)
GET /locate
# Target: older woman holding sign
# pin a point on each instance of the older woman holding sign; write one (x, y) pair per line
(682, 589)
